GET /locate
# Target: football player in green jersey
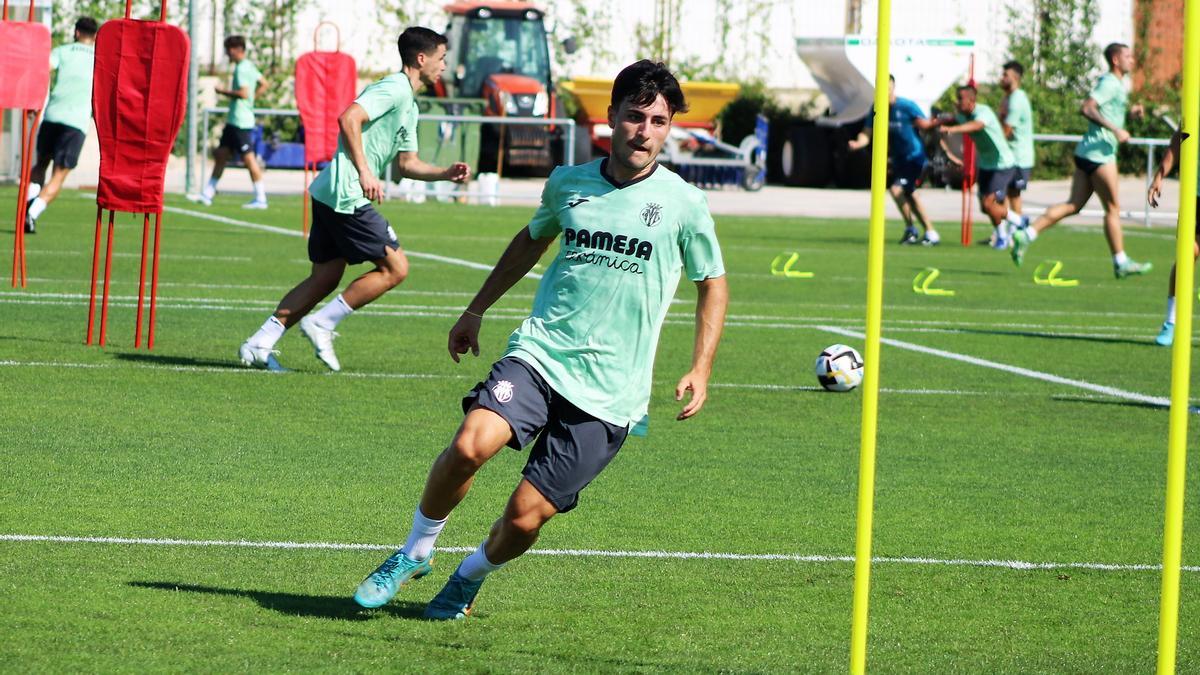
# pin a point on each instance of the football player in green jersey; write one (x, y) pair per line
(66, 120)
(1096, 163)
(576, 377)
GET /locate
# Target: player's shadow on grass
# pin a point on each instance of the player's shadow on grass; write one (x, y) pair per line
(294, 604)
(1059, 336)
(183, 361)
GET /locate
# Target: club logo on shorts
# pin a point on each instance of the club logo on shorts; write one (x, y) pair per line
(402, 134)
(651, 214)
(503, 391)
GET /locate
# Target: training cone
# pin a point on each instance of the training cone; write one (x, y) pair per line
(923, 283)
(781, 266)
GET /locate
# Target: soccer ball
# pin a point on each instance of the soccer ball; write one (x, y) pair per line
(839, 368)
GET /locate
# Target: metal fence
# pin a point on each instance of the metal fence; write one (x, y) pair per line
(1150, 143)
(428, 190)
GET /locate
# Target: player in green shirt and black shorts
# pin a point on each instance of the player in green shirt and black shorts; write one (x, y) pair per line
(246, 85)
(993, 158)
(381, 125)
(1016, 115)
(576, 377)
(1096, 164)
(1166, 334)
(66, 120)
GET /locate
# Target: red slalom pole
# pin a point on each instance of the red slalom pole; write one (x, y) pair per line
(23, 191)
(137, 332)
(107, 278)
(154, 280)
(95, 273)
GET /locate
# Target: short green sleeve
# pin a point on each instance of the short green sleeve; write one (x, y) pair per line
(698, 244)
(379, 98)
(545, 223)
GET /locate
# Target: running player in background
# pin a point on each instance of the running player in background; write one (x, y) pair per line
(380, 125)
(1016, 115)
(993, 158)
(1096, 164)
(576, 377)
(67, 118)
(247, 85)
(907, 154)
(1166, 334)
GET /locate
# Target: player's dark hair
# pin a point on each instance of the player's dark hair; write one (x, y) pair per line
(1016, 67)
(417, 40)
(1111, 51)
(642, 82)
(86, 26)
(892, 78)
(967, 87)
(235, 42)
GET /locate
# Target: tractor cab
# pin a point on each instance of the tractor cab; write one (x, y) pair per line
(499, 52)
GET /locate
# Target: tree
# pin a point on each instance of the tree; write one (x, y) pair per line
(1052, 39)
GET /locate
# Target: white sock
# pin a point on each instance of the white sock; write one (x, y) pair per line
(269, 334)
(1002, 229)
(476, 566)
(210, 190)
(932, 235)
(1013, 218)
(34, 190)
(260, 192)
(423, 535)
(1171, 309)
(332, 313)
(37, 207)
(1031, 233)
(1119, 258)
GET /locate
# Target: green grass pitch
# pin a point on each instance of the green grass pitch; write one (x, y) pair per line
(975, 464)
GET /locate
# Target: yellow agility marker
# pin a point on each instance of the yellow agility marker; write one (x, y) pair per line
(781, 266)
(1046, 274)
(924, 280)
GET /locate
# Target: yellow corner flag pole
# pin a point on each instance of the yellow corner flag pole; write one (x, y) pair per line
(1168, 618)
(866, 461)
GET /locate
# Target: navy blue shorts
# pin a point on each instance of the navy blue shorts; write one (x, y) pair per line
(1020, 180)
(357, 237)
(1086, 165)
(61, 143)
(994, 182)
(570, 447)
(236, 140)
(907, 174)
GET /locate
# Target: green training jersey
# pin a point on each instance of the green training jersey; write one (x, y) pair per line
(241, 110)
(391, 106)
(71, 98)
(1099, 145)
(1020, 118)
(991, 147)
(599, 308)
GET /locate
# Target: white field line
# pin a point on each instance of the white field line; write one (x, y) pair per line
(235, 369)
(254, 287)
(767, 321)
(593, 553)
(165, 256)
(1114, 392)
(297, 233)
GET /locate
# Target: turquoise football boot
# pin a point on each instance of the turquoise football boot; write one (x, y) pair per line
(1166, 336)
(454, 601)
(381, 585)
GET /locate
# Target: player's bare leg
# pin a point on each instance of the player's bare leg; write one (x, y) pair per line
(910, 232)
(1081, 192)
(322, 280)
(918, 209)
(1104, 184)
(481, 435)
(1014, 201)
(250, 160)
